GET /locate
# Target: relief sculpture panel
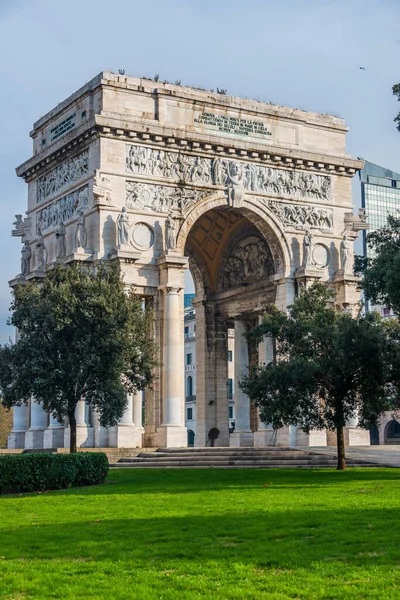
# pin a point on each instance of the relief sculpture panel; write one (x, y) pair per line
(197, 170)
(160, 198)
(68, 172)
(250, 261)
(301, 217)
(63, 209)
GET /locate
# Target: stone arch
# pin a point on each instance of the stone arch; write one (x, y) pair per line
(258, 214)
(392, 432)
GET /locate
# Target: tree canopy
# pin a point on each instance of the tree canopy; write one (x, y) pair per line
(381, 272)
(330, 367)
(80, 336)
(396, 92)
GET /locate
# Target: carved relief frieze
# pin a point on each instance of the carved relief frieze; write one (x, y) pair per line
(64, 209)
(301, 217)
(249, 261)
(160, 198)
(197, 170)
(68, 172)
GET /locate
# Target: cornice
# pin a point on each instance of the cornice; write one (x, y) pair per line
(77, 139)
(154, 134)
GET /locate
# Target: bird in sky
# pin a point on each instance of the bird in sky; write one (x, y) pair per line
(362, 68)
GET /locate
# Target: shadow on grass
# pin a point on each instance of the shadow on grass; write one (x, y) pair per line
(271, 538)
(176, 481)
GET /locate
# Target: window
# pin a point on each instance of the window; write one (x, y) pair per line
(230, 355)
(189, 414)
(188, 358)
(83, 115)
(44, 142)
(230, 389)
(231, 412)
(189, 386)
(186, 330)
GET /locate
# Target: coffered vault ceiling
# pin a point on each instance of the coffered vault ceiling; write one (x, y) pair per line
(209, 237)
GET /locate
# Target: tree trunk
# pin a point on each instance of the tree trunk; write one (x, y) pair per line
(72, 426)
(341, 457)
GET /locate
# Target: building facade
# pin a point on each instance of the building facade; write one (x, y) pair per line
(190, 372)
(380, 197)
(253, 198)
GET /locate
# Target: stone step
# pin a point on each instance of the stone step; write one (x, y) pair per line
(215, 449)
(231, 465)
(225, 456)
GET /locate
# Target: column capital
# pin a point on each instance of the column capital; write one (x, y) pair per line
(170, 289)
(173, 261)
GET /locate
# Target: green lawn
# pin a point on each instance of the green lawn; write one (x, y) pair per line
(220, 534)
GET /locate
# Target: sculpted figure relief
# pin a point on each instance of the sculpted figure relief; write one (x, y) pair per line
(307, 249)
(124, 227)
(26, 259)
(345, 254)
(40, 257)
(249, 262)
(64, 209)
(161, 198)
(221, 171)
(170, 233)
(19, 224)
(67, 172)
(235, 185)
(61, 244)
(302, 217)
(81, 233)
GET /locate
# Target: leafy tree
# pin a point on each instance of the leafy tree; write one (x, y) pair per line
(381, 281)
(396, 92)
(331, 367)
(80, 337)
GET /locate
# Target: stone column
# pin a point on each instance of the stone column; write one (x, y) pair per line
(172, 431)
(173, 384)
(242, 436)
(84, 431)
(35, 435)
(137, 409)
(127, 434)
(265, 436)
(16, 439)
(53, 436)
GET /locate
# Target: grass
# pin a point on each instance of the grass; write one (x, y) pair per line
(220, 534)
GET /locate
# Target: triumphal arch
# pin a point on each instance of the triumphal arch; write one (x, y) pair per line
(253, 198)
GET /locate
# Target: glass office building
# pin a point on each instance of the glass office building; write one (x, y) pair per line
(380, 196)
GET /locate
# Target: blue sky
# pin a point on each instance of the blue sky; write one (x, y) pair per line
(300, 53)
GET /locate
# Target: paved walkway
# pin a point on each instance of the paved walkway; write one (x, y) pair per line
(385, 456)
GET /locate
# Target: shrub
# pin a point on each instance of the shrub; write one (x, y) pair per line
(39, 472)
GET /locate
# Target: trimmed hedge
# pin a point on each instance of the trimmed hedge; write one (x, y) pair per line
(39, 472)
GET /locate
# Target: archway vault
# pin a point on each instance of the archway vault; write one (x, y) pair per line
(211, 227)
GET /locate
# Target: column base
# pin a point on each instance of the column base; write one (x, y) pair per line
(241, 439)
(314, 438)
(265, 437)
(125, 436)
(34, 439)
(100, 436)
(172, 436)
(53, 437)
(355, 436)
(84, 436)
(16, 440)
